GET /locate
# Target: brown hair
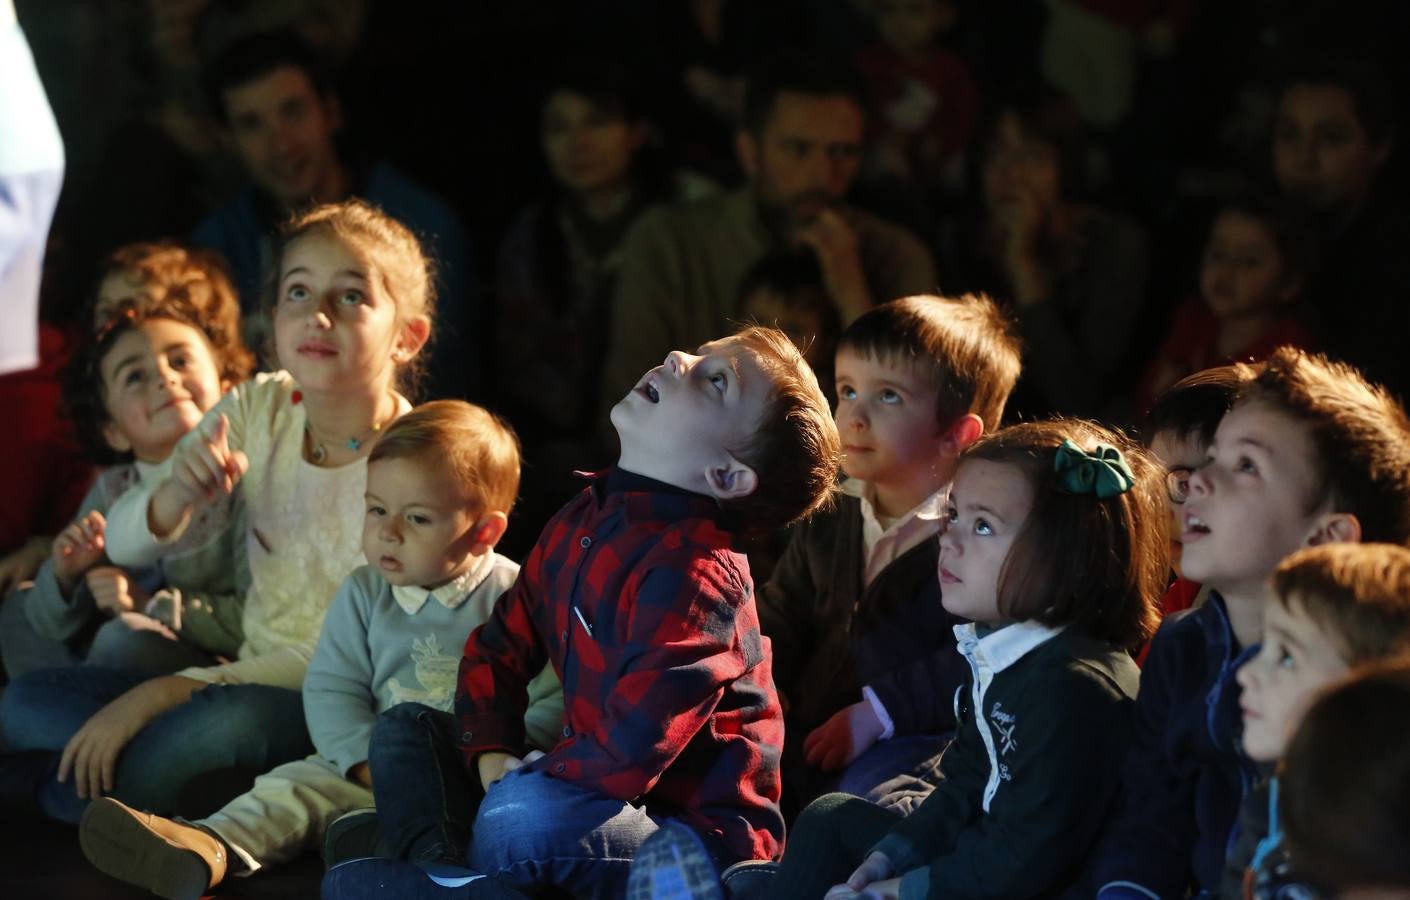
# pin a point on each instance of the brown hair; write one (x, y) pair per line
(1197, 403)
(965, 345)
(1361, 435)
(1099, 564)
(795, 451)
(84, 391)
(395, 254)
(1345, 780)
(478, 448)
(1358, 593)
(198, 280)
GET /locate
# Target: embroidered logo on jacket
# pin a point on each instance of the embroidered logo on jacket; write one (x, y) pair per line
(1004, 724)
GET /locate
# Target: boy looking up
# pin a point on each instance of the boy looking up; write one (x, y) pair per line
(863, 649)
(1336, 607)
(636, 596)
(1309, 454)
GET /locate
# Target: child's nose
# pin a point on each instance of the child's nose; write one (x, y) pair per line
(390, 532)
(678, 362)
(1200, 484)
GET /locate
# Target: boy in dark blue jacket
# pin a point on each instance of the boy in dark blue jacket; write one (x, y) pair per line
(1309, 454)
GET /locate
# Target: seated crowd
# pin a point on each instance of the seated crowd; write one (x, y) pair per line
(847, 528)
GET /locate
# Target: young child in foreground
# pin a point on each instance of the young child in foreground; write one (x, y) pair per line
(637, 597)
(1343, 801)
(863, 657)
(440, 483)
(1310, 454)
(1055, 553)
(1336, 608)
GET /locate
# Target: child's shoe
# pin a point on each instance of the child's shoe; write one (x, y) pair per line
(673, 864)
(169, 859)
(751, 879)
(353, 835)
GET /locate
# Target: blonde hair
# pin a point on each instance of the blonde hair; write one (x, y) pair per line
(478, 448)
(405, 272)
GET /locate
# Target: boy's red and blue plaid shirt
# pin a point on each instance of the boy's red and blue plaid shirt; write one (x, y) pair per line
(636, 595)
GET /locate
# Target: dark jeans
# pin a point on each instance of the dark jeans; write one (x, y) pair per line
(828, 842)
(426, 798)
(245, 728)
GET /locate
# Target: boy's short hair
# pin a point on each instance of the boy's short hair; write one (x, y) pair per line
(1344, 782)
(795, 451)
(965, 344)
(254, 56)
(795, 72)
(1099, 564)
(1197, 403)
(1358, 593)
(1361, 435)
(479, 449)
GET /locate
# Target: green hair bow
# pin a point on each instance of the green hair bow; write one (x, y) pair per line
(1102, 472)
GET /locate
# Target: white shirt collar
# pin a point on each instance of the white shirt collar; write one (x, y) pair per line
(450, 595)
(1005, 646)
(929, 509)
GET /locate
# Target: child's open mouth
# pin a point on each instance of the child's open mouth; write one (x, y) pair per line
(1194, 525)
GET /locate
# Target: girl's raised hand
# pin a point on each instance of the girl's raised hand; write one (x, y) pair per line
(203, 470)
(77, 549)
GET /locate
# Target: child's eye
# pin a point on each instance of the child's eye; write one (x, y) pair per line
(417, 519)
(720, 381)
(180, 361)
(845, 392)
(890, 396)
(376, 511)
(1285, 660)
(1246, 466)
(134, 377)
(952, 515)
(297, 293)
(982, 527)
(350, 298)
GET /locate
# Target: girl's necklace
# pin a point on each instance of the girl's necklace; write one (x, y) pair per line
(318, 450)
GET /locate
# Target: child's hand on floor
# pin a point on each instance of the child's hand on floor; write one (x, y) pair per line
(92, 753)
(77, 549)
(842, 738)
(202, 471)
(868, 877)
(113, 592)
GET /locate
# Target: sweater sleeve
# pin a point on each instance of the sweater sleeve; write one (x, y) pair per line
(1145, 850)
(50, 612)
(338, 700)
(543, 720)
(917, 697)
(1053, 793)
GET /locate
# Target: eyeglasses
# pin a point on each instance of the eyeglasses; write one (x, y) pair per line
(1177, 484)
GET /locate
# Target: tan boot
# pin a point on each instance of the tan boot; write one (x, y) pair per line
(168, 858)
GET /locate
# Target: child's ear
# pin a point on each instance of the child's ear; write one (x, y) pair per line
(732, 480)
(412, 337)
(962, 432)
(747, 149)
(116, 439)
(1336, 528)
(487, 531)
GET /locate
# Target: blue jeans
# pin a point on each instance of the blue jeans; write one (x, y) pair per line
(248, 729)
(533, 829)
(426, 797)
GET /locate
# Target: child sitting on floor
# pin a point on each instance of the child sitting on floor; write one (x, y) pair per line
(636, 595)
(440, 483)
